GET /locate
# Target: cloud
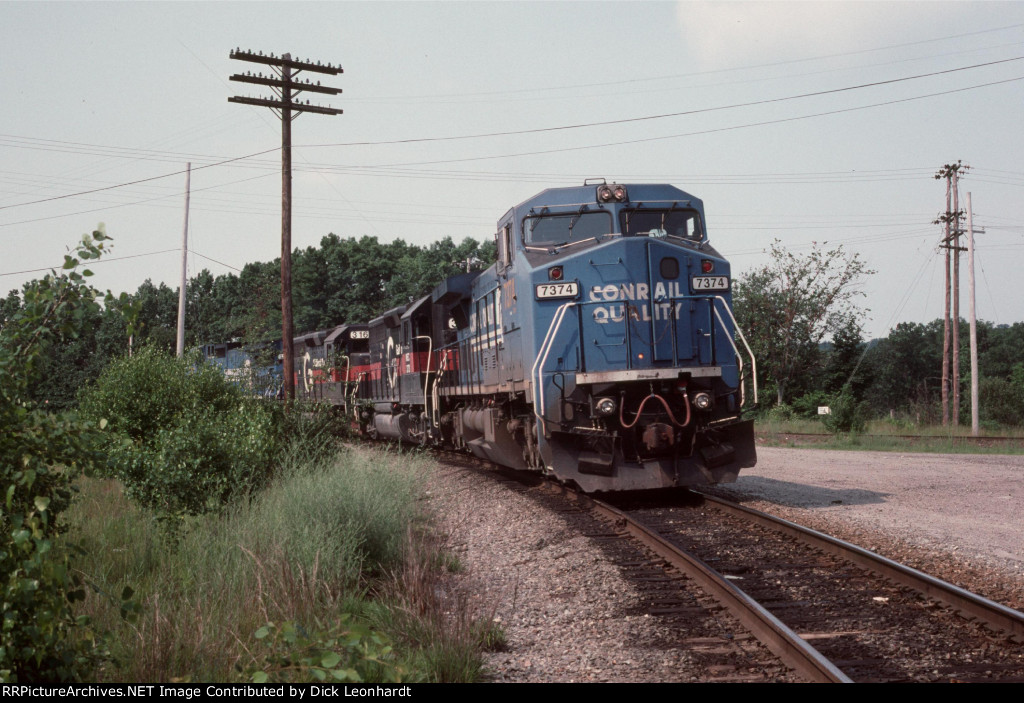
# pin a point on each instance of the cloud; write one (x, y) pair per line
(728, 34)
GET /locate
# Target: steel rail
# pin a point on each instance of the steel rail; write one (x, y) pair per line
(769, 630)
(996, 615)
(969, 439)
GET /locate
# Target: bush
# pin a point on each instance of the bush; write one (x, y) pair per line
(777, 413)
(848, 415)
(186, 440)
(807, 405)
(1000, 401)
(40, 453)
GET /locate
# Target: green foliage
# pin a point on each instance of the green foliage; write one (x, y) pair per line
(847, 414)
(40, 452)
(807, 405)
(349, 515)
(777, 413)
(300, 551)
(341, 280)
(787, 307)
(185, 440)
(1001, 401)
(346, 652)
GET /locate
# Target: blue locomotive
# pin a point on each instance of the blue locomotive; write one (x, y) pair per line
(600, 348)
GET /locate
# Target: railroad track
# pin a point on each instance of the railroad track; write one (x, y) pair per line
(828, 609)
(992, 441)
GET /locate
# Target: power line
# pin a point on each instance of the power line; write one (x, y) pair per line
(703, 132)
(644, 118)
(556, 128)
(204, 256)
(91, 263)
(605, 84)
(135, 202)
(141, 180)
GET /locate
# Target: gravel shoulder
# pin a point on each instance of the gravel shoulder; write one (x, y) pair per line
(570, 616)
(958, 517)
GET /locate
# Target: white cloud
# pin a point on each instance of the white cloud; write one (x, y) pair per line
(727, 34)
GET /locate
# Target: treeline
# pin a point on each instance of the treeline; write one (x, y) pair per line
(900, 376)
(799, 314)
(339, 281)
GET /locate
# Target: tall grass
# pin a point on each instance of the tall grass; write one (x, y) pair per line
(311, 549)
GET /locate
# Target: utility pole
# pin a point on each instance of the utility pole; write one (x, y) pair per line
(286, 87)
(955, 409)
(951, 243)
(184, 265)
(975, 420)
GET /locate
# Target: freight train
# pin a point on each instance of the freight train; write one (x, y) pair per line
(600, 349)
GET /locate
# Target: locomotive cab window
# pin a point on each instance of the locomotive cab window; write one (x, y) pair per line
(505, 254)
(562, 229)
(681, 224)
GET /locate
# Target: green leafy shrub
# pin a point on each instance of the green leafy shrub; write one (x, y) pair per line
(777, 413)
(40, 453)
(807, 405)
(1001, 402)
(186, 439)
(346, 652)
(848, 415)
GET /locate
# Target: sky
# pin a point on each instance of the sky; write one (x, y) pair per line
(807, 122)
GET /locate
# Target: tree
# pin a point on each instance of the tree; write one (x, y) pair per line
(842, 362)
(41, 452)
(787, 307)
(905, 368)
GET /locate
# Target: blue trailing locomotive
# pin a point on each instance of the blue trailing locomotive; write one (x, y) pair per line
(600, 348)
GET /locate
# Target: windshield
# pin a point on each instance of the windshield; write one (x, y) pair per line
(663, 223)
(555, 230)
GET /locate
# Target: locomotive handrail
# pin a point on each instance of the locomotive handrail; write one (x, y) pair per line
(753, 360)
(355, 391)
(426, 375)
(542, 357)
(348, 368)
(442, 367)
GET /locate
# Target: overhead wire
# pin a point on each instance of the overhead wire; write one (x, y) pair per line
(151, 154)
(707, 131)
(176, 193)
(606, 84)
(140, 180)
(644, 118)
(93, 262)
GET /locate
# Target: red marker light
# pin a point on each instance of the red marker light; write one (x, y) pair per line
(707, 265)
(555, 273)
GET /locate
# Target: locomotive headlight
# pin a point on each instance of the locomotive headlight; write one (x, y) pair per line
(613, 193)
(703, 401)
(606, 406)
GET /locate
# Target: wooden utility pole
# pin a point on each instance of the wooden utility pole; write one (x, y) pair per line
(955, 409)
(286, 87)
(951, 243)
(975, 420)
(945, 313)
(184, 265)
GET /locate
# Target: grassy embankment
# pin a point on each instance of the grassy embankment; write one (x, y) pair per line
(886, 436)
(338, 556)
